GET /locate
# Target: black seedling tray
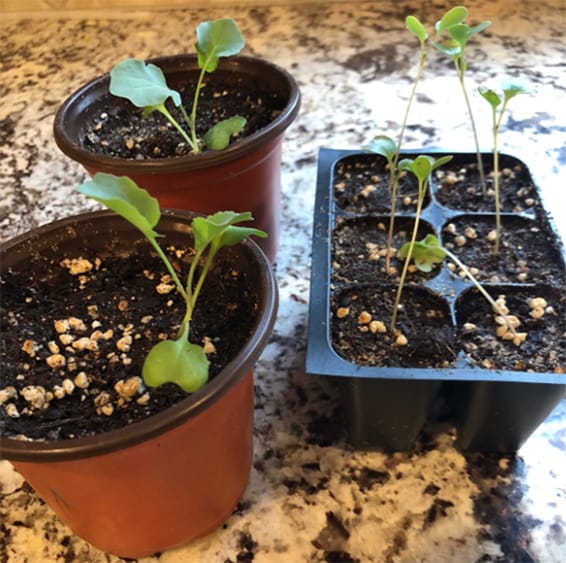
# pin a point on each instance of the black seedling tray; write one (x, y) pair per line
(387, 407)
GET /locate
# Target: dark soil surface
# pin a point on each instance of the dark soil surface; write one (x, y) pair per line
(527, 252)
(424, 319)
(544, 350)
(458, 185)
(361, 185)
(118, 298)
(119, 129)
(359, 248)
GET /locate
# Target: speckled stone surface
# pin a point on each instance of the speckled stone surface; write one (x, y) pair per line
(311, 497)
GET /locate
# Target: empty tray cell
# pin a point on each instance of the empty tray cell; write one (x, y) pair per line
(360, 331)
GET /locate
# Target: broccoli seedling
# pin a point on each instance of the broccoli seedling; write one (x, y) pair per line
(144, 85)
(384, 145)
(177, 361)
(422, 167)
(510, 90)
(460, 34)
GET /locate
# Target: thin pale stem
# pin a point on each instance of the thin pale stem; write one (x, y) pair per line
(208, 262)
(481, 289)
(175, 124)
(422, 190)
(474, 130)
(394, 176)
(170, 268)
(193, 117)
(496, 126)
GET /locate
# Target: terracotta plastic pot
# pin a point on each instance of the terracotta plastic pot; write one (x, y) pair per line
(175, 476)
(244, 177)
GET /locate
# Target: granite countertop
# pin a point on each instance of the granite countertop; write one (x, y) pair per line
(311, 497)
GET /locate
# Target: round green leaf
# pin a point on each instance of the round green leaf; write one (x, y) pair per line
(416, 28)
(490, 96)
(123, 196)
(176, 361)
(383, 145)
(215, 39)
(143, 84)
(218, 136)
(454, 16)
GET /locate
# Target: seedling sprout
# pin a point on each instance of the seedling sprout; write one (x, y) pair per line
(144, 85)
(454, 47)
(384, 145)
(422, 166)
(510, 90)
(177, 361)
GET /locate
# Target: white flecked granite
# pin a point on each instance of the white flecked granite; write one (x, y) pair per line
(311, 497)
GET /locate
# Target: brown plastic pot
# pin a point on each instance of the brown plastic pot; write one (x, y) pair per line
(246, 176)
(175, 476)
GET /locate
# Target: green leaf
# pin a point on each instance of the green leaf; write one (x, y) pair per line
(221, 227)
(423, 165)
(460, 34)
(441, 161)
(218, 137)
(143, 84)
(426, 253)
(416, 28)
(452, 17)
(449, 47)
(479, 28)
(512, 88)
(490, 96)
(215, 39)
(176, 361)
(383, 145)
(124, 197)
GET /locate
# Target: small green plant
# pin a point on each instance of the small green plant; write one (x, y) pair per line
(385, 146)
(460, 33)
(510, 90)
(178, 361)
(422, 167)
(144, 85)
(428, 252)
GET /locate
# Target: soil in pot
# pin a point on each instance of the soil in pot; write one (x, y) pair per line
(457, 185)
(527, 253)
(119, 129)
(360, 317)
(544, 349)
(359, 249)
(77, 327)
(361, 185)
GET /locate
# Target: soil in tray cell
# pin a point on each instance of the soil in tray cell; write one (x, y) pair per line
(361, 185)
(458, 186)
(359, 249)
(527, 252)
(360, 331)
(541, 312)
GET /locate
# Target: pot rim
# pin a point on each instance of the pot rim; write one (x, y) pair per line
(73, 107)
(107, 442)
